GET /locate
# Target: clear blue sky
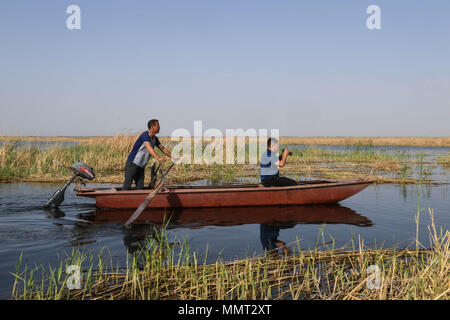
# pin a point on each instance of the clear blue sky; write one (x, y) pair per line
(309, 68)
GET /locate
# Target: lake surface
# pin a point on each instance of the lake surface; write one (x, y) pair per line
(40, 144)
(380, 214)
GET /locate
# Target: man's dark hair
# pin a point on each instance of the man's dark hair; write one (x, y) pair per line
(151, 123)
(271, 141)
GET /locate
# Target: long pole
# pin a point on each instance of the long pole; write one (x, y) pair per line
(148, 199)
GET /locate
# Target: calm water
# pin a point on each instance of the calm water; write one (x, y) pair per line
(383, 213)
(41, 145)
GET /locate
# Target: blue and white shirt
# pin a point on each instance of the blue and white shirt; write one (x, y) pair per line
(139, 155)
(268, 166)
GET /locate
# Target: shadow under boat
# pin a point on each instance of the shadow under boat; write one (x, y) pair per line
(231, 216)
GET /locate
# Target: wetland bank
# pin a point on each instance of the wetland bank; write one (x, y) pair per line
(396, 162)
(222, 259)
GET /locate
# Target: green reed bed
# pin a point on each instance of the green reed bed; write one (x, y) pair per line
(169, 270)
(444, 160)
(376, 141)
(335, 141)
(32, 163)
(312, 154)
(108, 155)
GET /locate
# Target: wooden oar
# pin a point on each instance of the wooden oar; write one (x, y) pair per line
(154, 175)
(148, 199)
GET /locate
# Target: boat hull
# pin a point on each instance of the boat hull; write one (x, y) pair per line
(202, 197)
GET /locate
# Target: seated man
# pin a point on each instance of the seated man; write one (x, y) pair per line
(142, 150)
(270, 163)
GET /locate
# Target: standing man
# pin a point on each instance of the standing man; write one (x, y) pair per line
(270, 163)
(140, 154)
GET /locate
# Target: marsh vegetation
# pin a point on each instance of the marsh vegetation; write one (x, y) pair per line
(167, 269)
(107, 156)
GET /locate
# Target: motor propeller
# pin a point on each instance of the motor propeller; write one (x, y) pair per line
(80, 170)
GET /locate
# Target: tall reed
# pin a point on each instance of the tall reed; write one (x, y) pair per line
(107, 155)
(164, 269)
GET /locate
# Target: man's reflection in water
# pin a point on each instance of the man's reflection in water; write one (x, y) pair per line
(268, 234)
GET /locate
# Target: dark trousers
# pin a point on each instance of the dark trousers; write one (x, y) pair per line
(278, 182)
(268, 235)
(133, 172)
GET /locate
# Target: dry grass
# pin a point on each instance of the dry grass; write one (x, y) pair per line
(35, 138)
(337, 141)
(107, 156)
(444, 160)
(376, 141)
(158, 272)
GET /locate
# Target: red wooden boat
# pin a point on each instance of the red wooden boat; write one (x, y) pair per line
(306, 192)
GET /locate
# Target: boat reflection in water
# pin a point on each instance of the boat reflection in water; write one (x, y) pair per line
(270, 218)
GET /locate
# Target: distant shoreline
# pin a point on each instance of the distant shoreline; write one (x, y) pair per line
(337, 141)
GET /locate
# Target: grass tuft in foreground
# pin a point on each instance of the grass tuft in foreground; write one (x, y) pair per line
(164, 270)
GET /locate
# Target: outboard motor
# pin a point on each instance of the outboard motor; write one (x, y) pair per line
(80, 170)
